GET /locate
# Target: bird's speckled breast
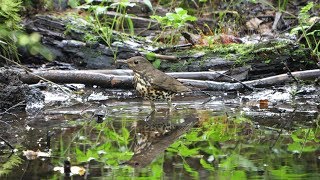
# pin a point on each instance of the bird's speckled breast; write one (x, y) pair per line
(149, 92)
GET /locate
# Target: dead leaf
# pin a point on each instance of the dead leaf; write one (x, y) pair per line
(266, 29)
(114, 81)
(75, 170)
(228, 39)
(253, 24)
(31, 155)
(263, 104)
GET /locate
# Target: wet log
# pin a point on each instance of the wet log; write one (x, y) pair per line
(210, 75)
(116, 81)
(264, 82)
(88, 78)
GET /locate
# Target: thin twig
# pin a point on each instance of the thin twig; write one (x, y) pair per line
(204, 92)
(7, 110)
(290, 73)
(307, 30)
(172, 47)
(30, 71)
(5, 123)
(7, 143)
(278, 137)
(233, 79)
(25, 170)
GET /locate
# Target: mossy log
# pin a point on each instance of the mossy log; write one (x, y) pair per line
(65, 37)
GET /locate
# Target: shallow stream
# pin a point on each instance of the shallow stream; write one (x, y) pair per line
(269, 134)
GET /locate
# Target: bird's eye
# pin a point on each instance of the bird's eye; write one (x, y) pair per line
(135, 62)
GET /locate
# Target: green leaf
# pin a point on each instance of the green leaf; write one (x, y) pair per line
(236, 160)
(148, 3)
(92, 154)
(298, 147)
(80, 156)
(267, 61)
(206, 165)
(73, 3)
(175, 145)
(180, 11)
(156, 63)
(89, 1)
(194, 173)
(306, 8)
(130, 25)
(125, 134)
(238, 174)
(123, 4)
(186, 152)
(45, 52)
(151, 56)
(34, 38)
(190, 18)
(193, 136)
(100, 10)
(7, 166)
(160, 19)
(297, 29)
(304, 13)
(23, 40)
(172, 16)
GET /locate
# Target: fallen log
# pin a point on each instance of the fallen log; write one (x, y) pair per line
(116, 81)
(88, 78)
(206, 75)
(264, 82)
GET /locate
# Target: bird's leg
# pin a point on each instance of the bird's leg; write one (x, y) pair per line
(170, 106)
(152, 114)
(153, 106)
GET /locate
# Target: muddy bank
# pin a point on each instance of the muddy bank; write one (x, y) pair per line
(15, 95)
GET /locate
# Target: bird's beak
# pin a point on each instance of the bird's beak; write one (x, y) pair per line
(121, 61)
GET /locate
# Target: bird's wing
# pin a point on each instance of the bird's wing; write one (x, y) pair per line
(166, 82)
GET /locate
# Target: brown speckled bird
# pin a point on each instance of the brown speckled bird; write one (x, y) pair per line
(152, 84)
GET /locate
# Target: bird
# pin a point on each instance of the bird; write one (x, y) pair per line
(153, 84)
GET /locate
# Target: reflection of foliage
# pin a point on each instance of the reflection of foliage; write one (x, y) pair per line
(109, 146)
(222, 146)
(231, 147)
(286, 172)
(6, 168)
(203, 140)
(305, 140)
